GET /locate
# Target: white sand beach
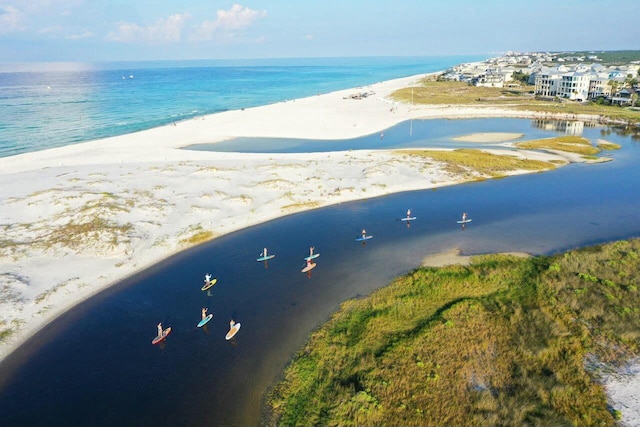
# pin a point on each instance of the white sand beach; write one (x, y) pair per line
(78, 219)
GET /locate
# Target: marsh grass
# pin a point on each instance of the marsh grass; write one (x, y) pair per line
(609, 146)
(502, 341)
(464, 161)
(570, 144)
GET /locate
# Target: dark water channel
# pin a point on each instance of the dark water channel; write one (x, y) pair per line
(95, 365)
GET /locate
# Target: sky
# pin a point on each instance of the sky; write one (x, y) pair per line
(112, 30)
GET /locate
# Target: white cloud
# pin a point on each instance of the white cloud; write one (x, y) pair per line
(308, 37)
(164, 30)
(53, 30)
(10, 19)
(79, 36)
(228, 22)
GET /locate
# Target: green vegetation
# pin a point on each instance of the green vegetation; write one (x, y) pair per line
(434, 92)
(570, 144)
(464, 161)
(609, 146)
(79, 234)
(198, 235)
(611, 57)
(311, 204)
(503, 341)
(456, 93)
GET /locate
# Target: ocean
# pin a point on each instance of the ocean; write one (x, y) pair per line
(46, 105)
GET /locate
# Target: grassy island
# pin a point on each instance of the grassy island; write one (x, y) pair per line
(570, 144)
(502, 341)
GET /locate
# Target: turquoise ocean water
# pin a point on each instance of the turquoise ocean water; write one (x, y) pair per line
(56, 104)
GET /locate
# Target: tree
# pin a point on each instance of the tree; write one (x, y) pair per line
(630, 81)
(520, 77)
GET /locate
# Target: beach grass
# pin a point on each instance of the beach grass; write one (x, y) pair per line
(197, 235)
(456, 93)
(568, 143)
(310, 204)
(430, 91)
(464, 162)
(503, 341)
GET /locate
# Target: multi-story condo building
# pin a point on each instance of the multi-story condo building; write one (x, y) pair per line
(547, 82)
(574, 85)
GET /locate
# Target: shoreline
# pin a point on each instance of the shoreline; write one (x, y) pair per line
(85, 173)
(155, 200)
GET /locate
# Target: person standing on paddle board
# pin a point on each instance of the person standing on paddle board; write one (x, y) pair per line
(159, 330)
(408, 213)
(207, 278)
(311, 251)
(364, 233)
(204, 313)
(231, 324)
(464, 216)
(264, 253)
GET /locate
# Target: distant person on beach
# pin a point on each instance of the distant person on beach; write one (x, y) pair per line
(204, 313)
(159, 330)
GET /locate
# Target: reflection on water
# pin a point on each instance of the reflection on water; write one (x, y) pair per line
(568, 127)
(86, 366)
(630, 131)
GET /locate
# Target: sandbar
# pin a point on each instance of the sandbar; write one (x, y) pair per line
(489, 137)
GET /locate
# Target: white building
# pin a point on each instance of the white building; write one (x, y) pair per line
(574, 85)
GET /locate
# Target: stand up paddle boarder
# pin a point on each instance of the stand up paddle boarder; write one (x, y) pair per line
(204, 313)
(159, 330)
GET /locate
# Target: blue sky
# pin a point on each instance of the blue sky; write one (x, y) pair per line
(104, 30)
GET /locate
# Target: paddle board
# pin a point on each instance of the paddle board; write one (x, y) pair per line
(408, 219)
(310, 257)
(463, 221)
(209, 284)
(362, 239)
(232, 332)
(265, 258)
(205, 320)
(308, 267)
(158, 340)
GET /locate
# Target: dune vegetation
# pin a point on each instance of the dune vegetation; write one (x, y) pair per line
(504, 341)
(430, 91)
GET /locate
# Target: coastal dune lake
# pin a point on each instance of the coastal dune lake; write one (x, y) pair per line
(95, 365)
